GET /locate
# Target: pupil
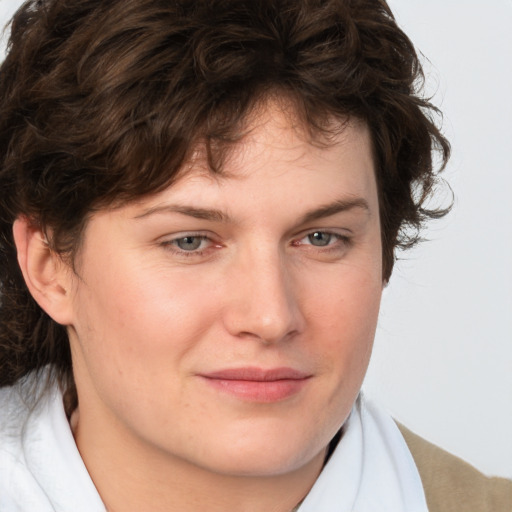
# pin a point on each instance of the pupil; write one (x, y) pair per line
(189, 243)
(320, 239)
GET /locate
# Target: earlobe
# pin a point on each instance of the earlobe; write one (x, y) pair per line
(47, 277)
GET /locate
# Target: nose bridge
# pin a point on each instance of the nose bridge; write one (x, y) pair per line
(263, 304)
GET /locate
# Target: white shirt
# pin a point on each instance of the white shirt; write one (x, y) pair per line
(41, 469)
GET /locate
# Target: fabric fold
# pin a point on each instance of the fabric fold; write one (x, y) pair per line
(371, 469)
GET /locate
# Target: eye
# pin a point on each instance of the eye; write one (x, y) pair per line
(327, 244)
(189, 243)
(323, 239)
(191, 246)
(320, 238)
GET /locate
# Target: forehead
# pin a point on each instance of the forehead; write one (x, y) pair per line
(277, 165)
(275, 130)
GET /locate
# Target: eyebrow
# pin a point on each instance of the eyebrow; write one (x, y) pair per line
(197, 213)
(338, 206)
(215, 215)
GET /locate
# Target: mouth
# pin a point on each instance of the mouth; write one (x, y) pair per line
(257, 384)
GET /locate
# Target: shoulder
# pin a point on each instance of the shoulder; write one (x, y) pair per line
(20, 421)
(13, 414)
(12, 417)
(452, 485)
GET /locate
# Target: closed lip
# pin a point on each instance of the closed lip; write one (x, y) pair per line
(258, 385)
(257, 374)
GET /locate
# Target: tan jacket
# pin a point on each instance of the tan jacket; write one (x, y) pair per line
(452, 485)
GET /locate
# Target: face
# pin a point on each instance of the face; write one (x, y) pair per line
(228, 321)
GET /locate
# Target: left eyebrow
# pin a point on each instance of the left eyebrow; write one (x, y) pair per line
(339, 206)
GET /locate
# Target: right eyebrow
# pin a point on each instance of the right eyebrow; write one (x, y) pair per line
(335, 207)
(196, 213)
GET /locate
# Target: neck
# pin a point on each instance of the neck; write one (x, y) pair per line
(133, 476)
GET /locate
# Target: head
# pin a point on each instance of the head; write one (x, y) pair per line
(108, 107)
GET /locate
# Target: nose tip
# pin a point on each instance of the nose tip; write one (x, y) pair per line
(264, 305)
(267, 326)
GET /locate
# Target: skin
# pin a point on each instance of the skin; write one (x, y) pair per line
(150, 312)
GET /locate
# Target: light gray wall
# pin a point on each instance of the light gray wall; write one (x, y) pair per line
(443, 356)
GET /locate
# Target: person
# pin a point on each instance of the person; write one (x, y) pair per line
(201, 203)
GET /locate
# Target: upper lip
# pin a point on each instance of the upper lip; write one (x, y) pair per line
(257, 374)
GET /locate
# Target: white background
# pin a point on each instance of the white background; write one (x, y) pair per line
(443, 356)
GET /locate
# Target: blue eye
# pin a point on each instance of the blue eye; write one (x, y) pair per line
(189, 243)
(320, 238)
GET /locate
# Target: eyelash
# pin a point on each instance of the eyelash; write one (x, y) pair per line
(171, 245)
(339, 240)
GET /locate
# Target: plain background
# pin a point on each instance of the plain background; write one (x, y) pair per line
(443, 356)
(442, 362)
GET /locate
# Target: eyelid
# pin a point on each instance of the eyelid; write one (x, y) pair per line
(342, 241)
(338, 232)
(169, 242)
(184, 234)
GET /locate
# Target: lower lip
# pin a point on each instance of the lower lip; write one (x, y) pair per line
(259, 391)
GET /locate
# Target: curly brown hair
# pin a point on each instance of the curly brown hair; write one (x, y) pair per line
(102, 102)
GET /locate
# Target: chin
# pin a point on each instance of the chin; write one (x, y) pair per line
(265, 463)
(265, 452)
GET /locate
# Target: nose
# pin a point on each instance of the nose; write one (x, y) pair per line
(263, 298)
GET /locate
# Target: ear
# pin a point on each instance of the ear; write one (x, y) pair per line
(47, 276)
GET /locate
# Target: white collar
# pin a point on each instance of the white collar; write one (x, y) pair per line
(40, 466)
(370, 470)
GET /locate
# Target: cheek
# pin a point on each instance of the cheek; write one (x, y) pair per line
(135, 333)
(343, 319)
(341, 322)
(346, 299)
(143, 323)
